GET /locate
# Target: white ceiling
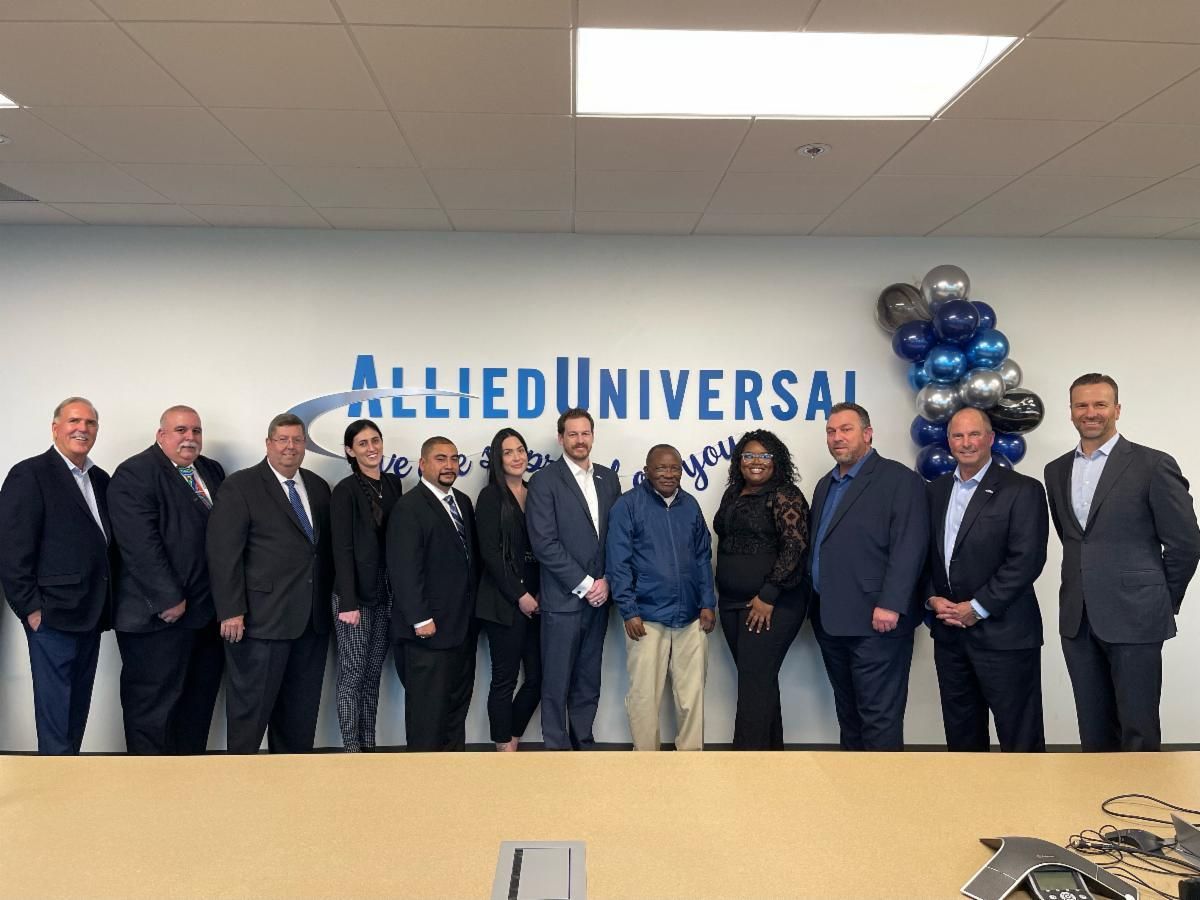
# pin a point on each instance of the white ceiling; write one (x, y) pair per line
(436, 115)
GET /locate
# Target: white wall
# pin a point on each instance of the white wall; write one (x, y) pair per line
(244, 324)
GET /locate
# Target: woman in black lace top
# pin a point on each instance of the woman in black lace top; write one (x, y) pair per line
(762, 531)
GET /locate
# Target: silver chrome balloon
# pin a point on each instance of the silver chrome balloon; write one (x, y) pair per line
(942, 283)
(1011, 373)
(981, 388)
(938, 402)
(900, 303)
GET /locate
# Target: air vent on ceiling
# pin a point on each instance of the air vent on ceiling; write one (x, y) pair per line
(9, 194)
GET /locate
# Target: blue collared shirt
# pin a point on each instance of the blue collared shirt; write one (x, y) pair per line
(837, 488)
(960, 499)
(1085, 475)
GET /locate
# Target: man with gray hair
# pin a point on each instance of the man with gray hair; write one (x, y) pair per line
(271, 566)
(55, 566)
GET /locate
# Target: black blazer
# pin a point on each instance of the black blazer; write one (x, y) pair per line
(430, 572)
(502, 551)
(998, 553)
(159, 525)
(261, 562)
(53, 558)
(356, 544)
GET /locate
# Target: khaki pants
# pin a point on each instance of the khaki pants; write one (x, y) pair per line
(684, 653)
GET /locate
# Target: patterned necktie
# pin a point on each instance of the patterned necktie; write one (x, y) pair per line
(459, 524)
(298, 509)
(189, 475)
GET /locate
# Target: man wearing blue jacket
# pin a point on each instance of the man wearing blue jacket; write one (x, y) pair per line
(659, 555)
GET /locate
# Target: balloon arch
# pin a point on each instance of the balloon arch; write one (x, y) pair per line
(956, 357)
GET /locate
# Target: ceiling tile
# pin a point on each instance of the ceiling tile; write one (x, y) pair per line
(463, 141)
(1171, 21)
(511, 220)
(26, 213)
(645, 191)
(1173, 198)
(523, 14)
(908, 205)
(761, 15)
(743, 223)
(1074, 80)
(1179, 103)
(76, 182)
(69, 64)
(478, 190)
(130, 214)
(234, 185)
(657, 145)
(316, 137)
(1013, 17)
(985, 146)
(149, 134)
(635, 222)
(260, 216)
(386, 219)
(471, 69)
(344, 186)
(1131, 149)
(746, 192)
(287, 66)
(32, 140)
(1191, 233)
(1035, 205)
(1102, 224)
(221, 10)
(856, 148)
(50, 11)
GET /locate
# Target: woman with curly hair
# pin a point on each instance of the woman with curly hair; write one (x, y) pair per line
(762, 527)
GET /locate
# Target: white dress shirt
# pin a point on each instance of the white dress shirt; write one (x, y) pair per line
(1085, 475)
(441, 495)
(960, 499)
(283, 479)
(583, 477)
(83, 481)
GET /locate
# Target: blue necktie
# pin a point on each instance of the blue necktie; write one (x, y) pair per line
(298, 509)
(459, 524)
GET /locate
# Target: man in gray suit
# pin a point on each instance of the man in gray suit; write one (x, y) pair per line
(1130, 547)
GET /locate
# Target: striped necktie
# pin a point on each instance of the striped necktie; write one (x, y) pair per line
(189, 475)
(298, 509)
(459, 524)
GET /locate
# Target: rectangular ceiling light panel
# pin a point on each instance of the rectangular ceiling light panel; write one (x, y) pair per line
(642, 72)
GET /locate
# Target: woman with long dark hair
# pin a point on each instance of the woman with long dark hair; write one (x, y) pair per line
(508, 591)
(362, 602)
(762, 526)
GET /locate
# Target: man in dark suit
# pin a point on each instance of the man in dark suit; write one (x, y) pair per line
(988, 532)
(171, 653)
(271, 568)
(432, 555)
(1130, 547)
(56, 568)
(870, 528)
(567, 514)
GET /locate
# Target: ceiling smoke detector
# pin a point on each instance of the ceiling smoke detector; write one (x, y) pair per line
(812, 151)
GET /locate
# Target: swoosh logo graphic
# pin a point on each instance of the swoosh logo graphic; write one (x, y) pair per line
(311, 410)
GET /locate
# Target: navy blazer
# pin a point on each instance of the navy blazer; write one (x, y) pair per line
(159, 525)
(53, 557)
(998, 553)
(561, 532)
(873, 553)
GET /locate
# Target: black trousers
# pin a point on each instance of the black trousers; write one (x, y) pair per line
(972, 681)
(437, 694)
(513, 646)
(274, 685)
(758, 722)
(869, 676)
(63, 665)
(1117, 691)
(169, 684)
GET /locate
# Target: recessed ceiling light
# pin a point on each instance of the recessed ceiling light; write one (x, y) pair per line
(3, 138)
(812, 151)
(641, 72)
(5, 103)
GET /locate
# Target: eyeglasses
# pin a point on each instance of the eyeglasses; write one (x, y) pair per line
(751, 457)
(288, 441)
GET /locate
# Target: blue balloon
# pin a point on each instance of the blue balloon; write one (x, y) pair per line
(1012, 446)
(987, 315)
(945, 363)
(987, 349)
(935, 461)
(916, 376)
(913, 340)
(956, 320)
(924, 433)
(1002, 461)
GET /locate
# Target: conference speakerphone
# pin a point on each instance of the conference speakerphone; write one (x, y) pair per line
(540, 870)
(1045, 870)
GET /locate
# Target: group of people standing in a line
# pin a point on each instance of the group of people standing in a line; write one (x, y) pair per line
(203, 575)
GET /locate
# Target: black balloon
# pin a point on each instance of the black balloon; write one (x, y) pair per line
(900, 303)
(1018, 412)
